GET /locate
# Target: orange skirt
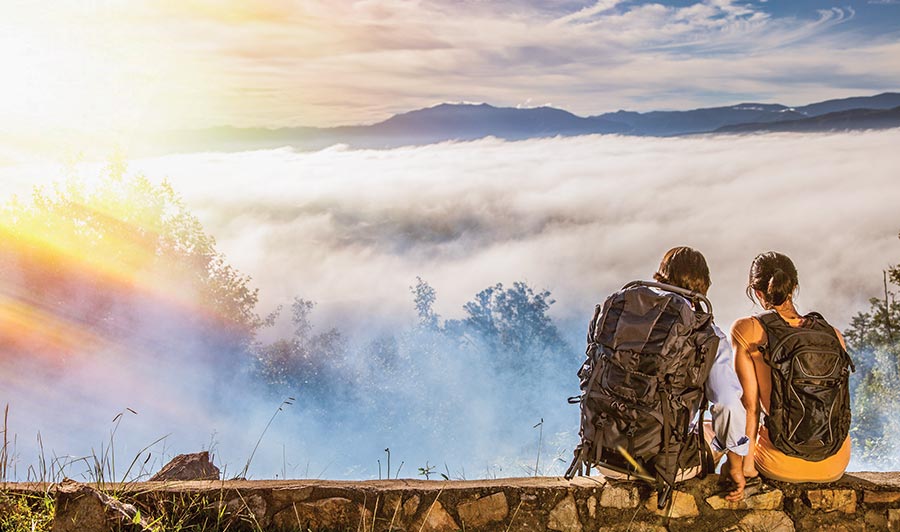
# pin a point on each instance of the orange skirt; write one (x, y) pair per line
(776, 465)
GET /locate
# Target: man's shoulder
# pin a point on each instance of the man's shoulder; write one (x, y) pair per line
(718, 331)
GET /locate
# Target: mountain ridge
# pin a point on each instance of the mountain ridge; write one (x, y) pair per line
(470, 121)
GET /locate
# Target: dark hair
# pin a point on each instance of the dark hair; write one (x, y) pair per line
(684, 267)
(774, 275)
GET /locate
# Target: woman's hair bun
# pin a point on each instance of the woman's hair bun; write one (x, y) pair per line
(774, 275)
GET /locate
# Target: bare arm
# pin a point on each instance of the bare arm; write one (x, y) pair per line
(746, 372)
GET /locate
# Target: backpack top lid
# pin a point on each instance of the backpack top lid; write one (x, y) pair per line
(639, 317)
(690, 295)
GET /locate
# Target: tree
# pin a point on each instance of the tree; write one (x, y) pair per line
(512, 323)
(119, 258)
(424, 297)
(874, 343)
(304, 360)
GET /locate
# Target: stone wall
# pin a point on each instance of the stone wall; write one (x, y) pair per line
(861, 501)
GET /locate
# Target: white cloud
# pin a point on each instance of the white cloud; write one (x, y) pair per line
(580, 216)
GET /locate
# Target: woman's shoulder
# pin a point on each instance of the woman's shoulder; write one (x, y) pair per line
(745, 325)
(747, 331)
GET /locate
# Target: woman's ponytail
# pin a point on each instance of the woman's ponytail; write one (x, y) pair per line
(774, 275)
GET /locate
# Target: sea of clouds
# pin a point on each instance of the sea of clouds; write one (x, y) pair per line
(352, 229)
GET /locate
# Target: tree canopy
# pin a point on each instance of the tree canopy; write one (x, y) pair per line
(115, 257)
(874, 342)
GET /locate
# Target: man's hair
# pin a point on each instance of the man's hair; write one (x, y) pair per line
(684, 267)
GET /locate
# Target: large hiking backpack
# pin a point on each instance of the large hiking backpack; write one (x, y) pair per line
(649, 355)
(809, 410)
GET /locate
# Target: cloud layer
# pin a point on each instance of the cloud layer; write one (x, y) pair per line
(579, 216)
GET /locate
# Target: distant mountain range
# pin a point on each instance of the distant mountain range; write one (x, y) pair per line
(446, 122)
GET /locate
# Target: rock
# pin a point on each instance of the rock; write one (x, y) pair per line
(850, 526)
(880, 497)
(592, 506)
(635, 526)
(682, 505)
(876, 520)
(252, 505)
(410, 506)
(333, 513)
(771, 500)
(283, 497)
(564, 516)
(194, 466)
(80, 508)
(589, 482)
(620, 497)
(436, 519)
(893, 520)
(832, 500)
(482, 511)
(768, 520)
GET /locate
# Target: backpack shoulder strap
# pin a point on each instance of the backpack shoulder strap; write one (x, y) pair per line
(771, 323)
(770, 319)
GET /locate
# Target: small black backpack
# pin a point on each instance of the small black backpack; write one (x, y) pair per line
(649, 355)
(809, 411)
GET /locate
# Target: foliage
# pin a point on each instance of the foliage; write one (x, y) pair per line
(512, 323)
(107, 256)
(304, 359)
(26, 513)
(874, 342)
(876, 428)
(424, 298)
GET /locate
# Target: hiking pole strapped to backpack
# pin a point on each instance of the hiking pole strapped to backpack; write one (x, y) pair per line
(650, 349)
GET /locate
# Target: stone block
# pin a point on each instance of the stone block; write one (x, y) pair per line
(771, 500)
(250, 506)
(592, 506)
(482, 511)
(620, 497)
(331, 513)
(564, 516)
(682, 505)
(850, 526)
(410, 506)
(436, 519)
(831, 500)
(893, 519)
(765, 520)
(390, 504)
(880, 497)
(589, 482)
(876, 520)
(283, 497)
(633, 526)
(81, 508)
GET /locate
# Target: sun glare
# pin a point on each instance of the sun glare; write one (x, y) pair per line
(88, 78)
(75, 259)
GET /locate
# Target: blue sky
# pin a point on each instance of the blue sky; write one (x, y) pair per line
(109, 66)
